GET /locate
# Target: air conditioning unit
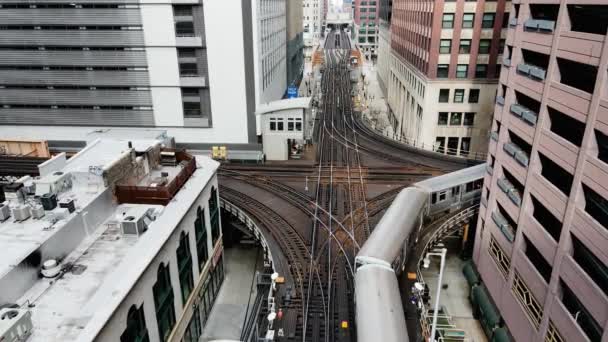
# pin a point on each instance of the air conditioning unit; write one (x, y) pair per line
(53, 183)
(37, 211)
(5, 212)
(15, 324)
(21, 212)
(132, 224)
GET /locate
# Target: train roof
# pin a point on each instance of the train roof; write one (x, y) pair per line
(387, 239)
(380, 315)
(452, 179)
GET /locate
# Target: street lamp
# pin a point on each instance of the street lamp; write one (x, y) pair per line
(426, 262)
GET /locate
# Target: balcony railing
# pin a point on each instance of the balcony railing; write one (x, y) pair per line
(514, 151)
(509, 189)
(513, 22)
(500, 100)
(159, 194)
(524, 113)
(531, 71)
(503, 225)
(539, 25)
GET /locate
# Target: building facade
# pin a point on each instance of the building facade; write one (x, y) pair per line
(295, 41)
(542, 235)
(313, 16)
(444, 70)
(366, 17)
(87, 65)
(385, 11)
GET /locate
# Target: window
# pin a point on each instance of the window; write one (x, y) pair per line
(186, 52)
(184, 265)
(445, 46)
(448, 21)
(136, 326)
(182, 10)
(484, 46)
(444, 95)
(481, 71)
(442, 70)
(188, 69)
(273, 124)
(443, 119)
(214, 215)
(465, 46)
(200, 232)
(461, 70)
(163, 302)
(488, 20)
(192, 109)
(469, 119)
(459, 95)
(280, 124)
(468, 20)
(473, 95)
(184, 29)
(456, 119)
(299, 124)
(501, 46)
(465, 146)
(452, 145)
(290, 124)
(497, 71)
(440, 144)
(190, 92)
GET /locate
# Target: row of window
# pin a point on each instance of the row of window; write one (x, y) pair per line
(71, 27)
(462, 71)
(468, 20)
(456, 119)
(452, 145)
(293, 124)
(71, 68)
(72, 5)
(464, 47)
(444, 95)
(163, 291)
(39, 106)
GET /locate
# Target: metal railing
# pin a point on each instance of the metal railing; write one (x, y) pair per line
(427, 147)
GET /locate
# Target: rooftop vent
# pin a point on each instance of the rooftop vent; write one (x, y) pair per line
(15, 324)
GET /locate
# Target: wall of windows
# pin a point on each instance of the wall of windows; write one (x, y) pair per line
(136, 330)
(163, 302)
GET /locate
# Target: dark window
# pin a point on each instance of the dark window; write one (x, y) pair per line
(459, 95)
(537, 259)
(452, 145)
(201, 239)
(192, 109)
(501, 46)
(188, 69)
(591, 264)
(473, 95)
(443, 119)
(444, 95)
(440, 144)
(469, 119)
(547, 220)
(577, 75)
(163, 302)
(602, 146)
(487, 20)
(182, 10)
(566, 126)
(186, 52)
(465, 146)
(273, 124)
(214, 215)
(588, 18)
(596, 206)
(556, 175)
(580, 314)
(468, 20)
(461, 70)
(136, 330)
(442, 70)
(497, 71)
(448, 21)
(184, 29)
(190, 92)
(184, 265)
(481, 71)
(484, 46)
(456, 119)
(465, 46)
(445, 46)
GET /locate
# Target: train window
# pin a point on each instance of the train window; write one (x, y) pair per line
(455, 190)
(433, 198)
(443, 195)
(475, 185)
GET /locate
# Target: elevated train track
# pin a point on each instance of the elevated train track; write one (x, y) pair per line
(354, 179)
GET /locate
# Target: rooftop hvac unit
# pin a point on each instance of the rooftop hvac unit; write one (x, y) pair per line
(37, 211)
(133, 225)
(48, 201)
(15, 324)
(21, 213)
(53, 183)
(5, 212)
(68, 204)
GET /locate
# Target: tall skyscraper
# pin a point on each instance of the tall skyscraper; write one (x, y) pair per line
(313, 17)
(542, 237)
(194, 68)
(443, 72)
(295, 40)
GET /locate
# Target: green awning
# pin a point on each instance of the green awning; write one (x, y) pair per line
(500, 335)
(470, 273)
(489, 313)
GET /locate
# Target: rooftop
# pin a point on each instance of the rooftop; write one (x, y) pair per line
(99, 258)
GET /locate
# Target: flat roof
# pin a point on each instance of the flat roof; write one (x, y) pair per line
(102, 265)
(275, 106)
